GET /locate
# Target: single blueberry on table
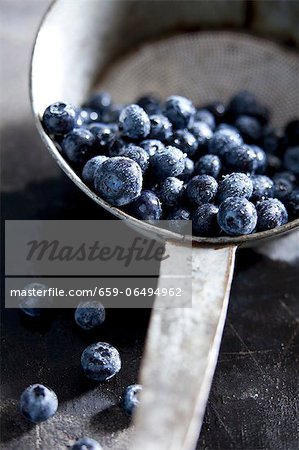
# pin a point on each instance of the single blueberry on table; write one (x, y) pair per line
(185, 141)
(237, 216)
(235, 185)
(100, 361)
(202, 133)
(59, 118)
(78, 145)
(263, 187)
(151, 146)
(150, 104)
(118, 180)
(188, 170)
(177, 218)
(90, 315)
(100, 102)
(167, 162)
(179, 111)
(130, 399)
(38, 403)
(104, 138)
(208, 165)
(137, 154)
(201, 189)
(271, 213)
(86, 444)
(241, 159)
(170, 191)
(291, 159)
(223, 141)
(146, 207)
(134, 123)
(292, 132)
(161, 128)
(250, 128)
(204, 115)
(292, 203)
(90, 167)
(282, 188)
(204, 220)
(32, 304)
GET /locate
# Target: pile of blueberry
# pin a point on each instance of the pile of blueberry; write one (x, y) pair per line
(222, 166)
(100, 362)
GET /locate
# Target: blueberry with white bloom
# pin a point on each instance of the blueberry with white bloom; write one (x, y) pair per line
(188, 170)
(204, 115)
(104, 137)
(204, 220)
(161, 128)
(201, 189)
(170, 191)
(185, 141)
(137, 154)
(151, 146)
(38, 403)
(263, 187)
(167, 162)
(59, 118)
(235, 185)
(282, 188)
(146, 207)
(249, 128)
(78, 145)
(208, 165)
(202, 133)
(150, 103)
(90, 315)
(90, 168)
(241, 159)
(261, 159)
(179, 111)
(130, 398)
(86, 444)
(134, 123)
(34, 304)
(100, 361)
(118, 180)
(271, 213)
(237, 216)
(223, 141)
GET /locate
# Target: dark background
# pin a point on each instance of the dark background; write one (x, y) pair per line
(254, 398)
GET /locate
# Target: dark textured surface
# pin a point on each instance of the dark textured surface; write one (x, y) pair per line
(254, 398)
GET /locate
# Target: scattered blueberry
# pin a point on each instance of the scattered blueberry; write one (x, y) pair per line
(78, 145)
(291, 159)
(179, 111)
(204, 115)
(185, 141)
(161, 128)
(208, 165)
(59, 118)
(223, 141)
(151, 146)
(90, 168)
(86, 444)
(242, 159)
(130, 399)
(146, 207)
(118, 180)
(271, 213)
(201, 189)
(134, 122)
(237, 216)
(167, 162)
(100, 361)
(38, 403)
(150, 104)
(235, 185)
(263, 187)
(188, 170)
(32, 304)
(137, 154)
(90, 315)
(204, 220)
(170, 191)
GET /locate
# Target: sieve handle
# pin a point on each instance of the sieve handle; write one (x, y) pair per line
(181, 355)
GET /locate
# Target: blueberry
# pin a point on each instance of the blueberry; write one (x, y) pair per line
(90, 315)
(116, 145)
(179, 111)
(291, 159)
(203, 115)
(228, 127)
(235, 185)
(118, 180)
(130, 399)
(204, 220)
(112, 114)
(188, 170)
(185, 141)
(86, 444)
(249, 128)
(292, 203)
(270, 140)
(150, 104)
(90, 168)
(78, 145)
(134, 122)
(217, 109)
(245, 103)
(178, 218)
(201, 189)
(263, 187)
(271, 213)
(261, 158)
(287, 175)
(208, 165)
(161, 128)
(292, 132)
(59, 118)
(100, 102)
(223, 141)
(33, 304)
(137, 154)
(282, 188)
(237, 216)
(273, 164)
(202, 133)
(167, 162)
(241, 159)
(151, 146)
(100, 361)
(38, 403)
(104, 138)
(170, 191)
(86, 117)
(146, 207)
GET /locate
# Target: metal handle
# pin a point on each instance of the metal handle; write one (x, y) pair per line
(181, 354)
